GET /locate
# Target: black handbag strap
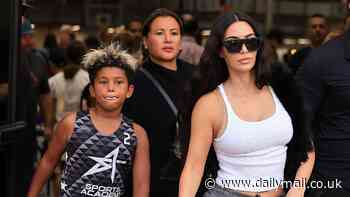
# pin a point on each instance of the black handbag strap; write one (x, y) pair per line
(177, 144)
(161, 90)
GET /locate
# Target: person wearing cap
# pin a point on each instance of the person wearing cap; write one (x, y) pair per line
(33, 63)
(32, 90)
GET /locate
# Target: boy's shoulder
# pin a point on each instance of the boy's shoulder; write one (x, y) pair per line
(135, 126)
(69, 118)
(81, 116)
(128, 121)
(139, 131)
(66, 124)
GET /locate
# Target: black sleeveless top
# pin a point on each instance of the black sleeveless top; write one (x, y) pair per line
(98, 164)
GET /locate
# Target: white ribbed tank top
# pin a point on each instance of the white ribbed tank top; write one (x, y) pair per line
(252, 155)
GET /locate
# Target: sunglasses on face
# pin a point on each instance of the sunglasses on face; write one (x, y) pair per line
(234, 45)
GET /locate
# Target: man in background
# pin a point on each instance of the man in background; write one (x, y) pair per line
(32, 90)
(134, 26)
(325, 80)
(317, 30)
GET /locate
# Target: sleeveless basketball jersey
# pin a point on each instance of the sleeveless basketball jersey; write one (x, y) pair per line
(98, 164)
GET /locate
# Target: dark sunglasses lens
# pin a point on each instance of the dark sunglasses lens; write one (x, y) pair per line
(235, 46)
(252, 44)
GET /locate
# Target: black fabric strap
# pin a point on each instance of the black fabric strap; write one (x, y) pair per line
(161, 90)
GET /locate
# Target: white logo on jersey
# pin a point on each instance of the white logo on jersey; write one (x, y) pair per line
(64, 188)
(106, 163)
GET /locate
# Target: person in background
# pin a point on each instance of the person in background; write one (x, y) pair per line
(106, 36)
(275, 37)
(92, 42)
(65, 36)
(134, 26)
(131, 43)
(326, 88)
(35, 92)
(67, 85)
(50, 51)
(191, 51)
(317, 30)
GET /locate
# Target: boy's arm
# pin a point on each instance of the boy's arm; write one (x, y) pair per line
(141, 166)
(52, 155)
(46, 104)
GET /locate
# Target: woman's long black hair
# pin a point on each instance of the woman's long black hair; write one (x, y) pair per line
(213, 68)
(212, 71)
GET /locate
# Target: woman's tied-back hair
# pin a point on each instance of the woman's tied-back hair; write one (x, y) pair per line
(213, 68)
(160, 12)
(110, 56)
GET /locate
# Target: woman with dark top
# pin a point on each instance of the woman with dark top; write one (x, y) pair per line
(253, 121)
(162, 39)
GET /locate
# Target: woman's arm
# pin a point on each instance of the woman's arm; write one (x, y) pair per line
(302, 176)
(141, 166)
(52, 155)
(200, 142)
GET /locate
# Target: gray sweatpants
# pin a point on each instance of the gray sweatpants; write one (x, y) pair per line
(218, 191)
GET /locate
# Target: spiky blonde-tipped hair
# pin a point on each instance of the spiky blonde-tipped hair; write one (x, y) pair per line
(110, 56)
(106, 55)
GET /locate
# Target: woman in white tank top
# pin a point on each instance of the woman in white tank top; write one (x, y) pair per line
(254, 129)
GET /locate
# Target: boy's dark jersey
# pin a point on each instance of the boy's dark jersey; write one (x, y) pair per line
(98, 164)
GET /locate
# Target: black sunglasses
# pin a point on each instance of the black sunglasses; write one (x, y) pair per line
(234, 45)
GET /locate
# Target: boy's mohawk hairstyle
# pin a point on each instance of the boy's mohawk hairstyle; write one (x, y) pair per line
(109, 56)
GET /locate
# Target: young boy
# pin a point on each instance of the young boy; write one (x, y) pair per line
(105, 149)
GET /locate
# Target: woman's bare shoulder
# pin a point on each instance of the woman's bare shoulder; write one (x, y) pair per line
(210, 103)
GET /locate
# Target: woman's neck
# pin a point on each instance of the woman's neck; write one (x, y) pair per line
(171, 65)
(242, 83)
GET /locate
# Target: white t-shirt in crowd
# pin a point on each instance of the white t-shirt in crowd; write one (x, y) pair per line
(67, 92)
